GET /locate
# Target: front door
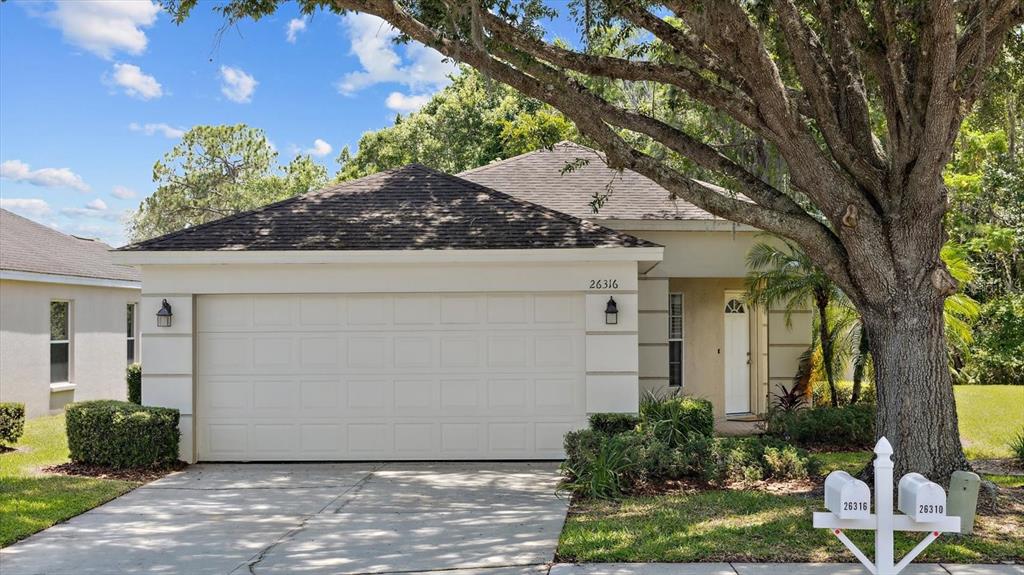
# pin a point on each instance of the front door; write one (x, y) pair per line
(737, 355)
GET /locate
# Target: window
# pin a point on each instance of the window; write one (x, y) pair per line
(675, 339)
(734, 306)
(131, 333)
(60, 342)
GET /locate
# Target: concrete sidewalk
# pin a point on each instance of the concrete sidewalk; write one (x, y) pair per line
(771, 569)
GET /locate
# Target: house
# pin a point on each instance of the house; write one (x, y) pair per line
(413, 314)
(68, 315)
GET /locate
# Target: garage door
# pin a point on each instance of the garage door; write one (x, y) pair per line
(418, 376)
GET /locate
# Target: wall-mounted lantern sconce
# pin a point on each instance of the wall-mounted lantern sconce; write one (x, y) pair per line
(164, 315)
(611, 312)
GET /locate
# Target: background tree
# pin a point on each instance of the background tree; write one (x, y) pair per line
(469, 123)
(862, 101)
(216, 171)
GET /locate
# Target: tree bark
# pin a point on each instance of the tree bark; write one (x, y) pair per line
(916, 410)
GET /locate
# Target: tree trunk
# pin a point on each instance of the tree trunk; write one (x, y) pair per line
(916, 410)
(826, 345)
(860, 363)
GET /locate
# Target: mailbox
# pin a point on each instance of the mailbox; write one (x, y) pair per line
(921, 499)
(846, 496)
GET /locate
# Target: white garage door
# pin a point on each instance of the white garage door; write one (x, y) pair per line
(418, 376)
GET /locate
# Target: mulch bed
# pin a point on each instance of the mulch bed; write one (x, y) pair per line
(998, 466)
(99, 472)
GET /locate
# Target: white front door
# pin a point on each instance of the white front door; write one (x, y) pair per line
(409, 376)
(737, 355)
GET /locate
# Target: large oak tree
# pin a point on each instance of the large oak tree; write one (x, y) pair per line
(862, 100)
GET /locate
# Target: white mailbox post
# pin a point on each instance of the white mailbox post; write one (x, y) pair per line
(922, 502)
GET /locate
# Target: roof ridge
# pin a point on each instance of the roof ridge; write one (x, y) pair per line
(538, 207)
(503, 161)
(235, 216)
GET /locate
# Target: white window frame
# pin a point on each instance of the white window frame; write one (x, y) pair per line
(674, 338)
(69, 329)
(133, 338)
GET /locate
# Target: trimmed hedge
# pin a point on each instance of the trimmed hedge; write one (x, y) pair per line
(12, 422)
(122, 435)
(613, 422)
(133, 377)
(848, 427)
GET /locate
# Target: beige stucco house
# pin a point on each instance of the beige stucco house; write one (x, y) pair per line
(418, 315)
(67, 318)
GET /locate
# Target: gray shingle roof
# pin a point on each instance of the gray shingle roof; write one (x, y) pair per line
(537, 177)
(26, 246)
(408, 208)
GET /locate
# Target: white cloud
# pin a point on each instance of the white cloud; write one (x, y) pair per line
(400, 102)
(135, 82)
(320, 148)
(29, 207)
(236, 85)
(96, 208)
(122, 193)
(19, 171)
(372, 43)
(97, 204)
(105, 27)
(295, 25)
(165, 130)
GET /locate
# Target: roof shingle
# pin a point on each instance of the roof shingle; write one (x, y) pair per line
(27, 246)
(541, 177)
(408, 208)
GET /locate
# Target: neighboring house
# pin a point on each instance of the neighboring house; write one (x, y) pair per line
(67, 317)
(413, 314)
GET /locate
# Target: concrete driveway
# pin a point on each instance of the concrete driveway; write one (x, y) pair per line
(313, 518)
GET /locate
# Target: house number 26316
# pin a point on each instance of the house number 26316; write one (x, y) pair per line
(604, 284)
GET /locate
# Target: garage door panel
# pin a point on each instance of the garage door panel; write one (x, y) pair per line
(416, 376)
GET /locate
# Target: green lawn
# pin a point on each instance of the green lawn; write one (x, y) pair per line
(723, 525)
(990, 416)
(31, 500)
(732, 525)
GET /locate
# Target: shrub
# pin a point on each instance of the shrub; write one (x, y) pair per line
(133, 376)
(612, 423)
(603, 472)
(821, 396)
(1017, 446)
(122, 435)
(672, 420)
(997, 356)
(848, 427)
(12, 422)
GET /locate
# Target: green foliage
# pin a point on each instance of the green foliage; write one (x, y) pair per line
(672, 420)
(1017, 446)
(12, 422)
(217, 171)
(847, 427)
(997, 356)
(470, 123)
(133, 377)
(612, 423)
(122, 435)
(601, 472)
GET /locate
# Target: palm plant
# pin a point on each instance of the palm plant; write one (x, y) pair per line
(781, 274)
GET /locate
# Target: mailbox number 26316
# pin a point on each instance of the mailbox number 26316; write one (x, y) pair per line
(929, 509)
(855, 505)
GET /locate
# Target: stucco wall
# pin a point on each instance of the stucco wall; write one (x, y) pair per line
(98, 345)
(700, 254)
(611, 350)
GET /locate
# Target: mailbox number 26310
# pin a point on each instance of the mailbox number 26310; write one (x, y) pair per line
(855, 505)
(929, 509)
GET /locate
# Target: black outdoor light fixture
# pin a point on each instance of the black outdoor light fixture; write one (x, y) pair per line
(611, 312)
(164, 315)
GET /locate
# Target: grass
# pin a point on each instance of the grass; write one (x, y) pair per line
(990, 416)
(31, 500)
(732, 525)
(725, 525)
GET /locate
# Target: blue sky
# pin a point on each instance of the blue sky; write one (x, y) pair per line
(92, 93)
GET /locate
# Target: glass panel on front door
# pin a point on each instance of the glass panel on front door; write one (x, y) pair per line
(675, 339)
